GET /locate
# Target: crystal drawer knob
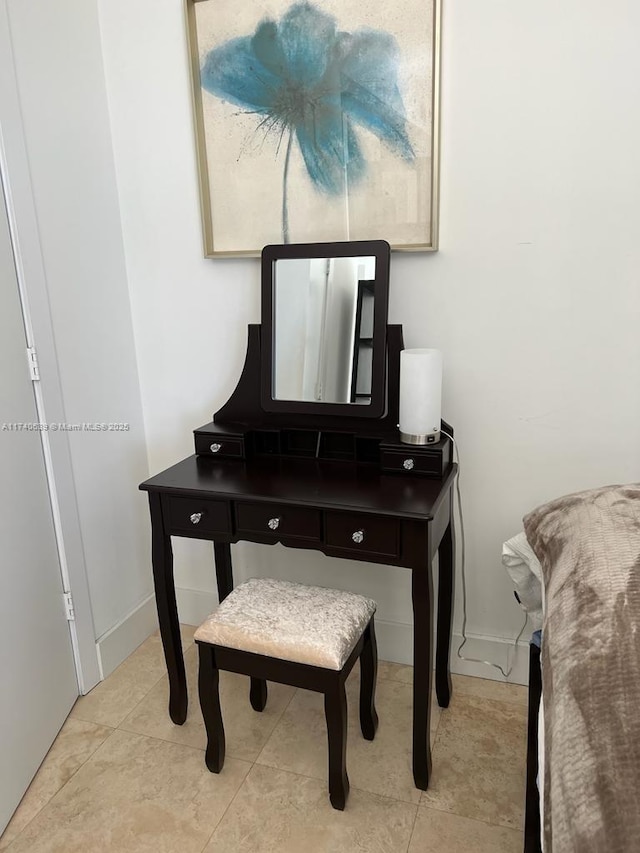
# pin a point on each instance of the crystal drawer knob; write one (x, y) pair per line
(358, 536)
(195, 517)
(408, 464)
(215, 447)
(273, 523)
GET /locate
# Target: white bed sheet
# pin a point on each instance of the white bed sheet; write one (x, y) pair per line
(526, 573)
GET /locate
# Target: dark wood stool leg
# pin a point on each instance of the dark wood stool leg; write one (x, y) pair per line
(335, 710)
(258, 694)
(208, 688)
(368, 674)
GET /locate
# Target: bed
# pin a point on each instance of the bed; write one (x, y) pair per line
(583, 764)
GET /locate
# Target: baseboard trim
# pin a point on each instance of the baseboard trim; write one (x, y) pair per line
(116, 644)
(395, 642)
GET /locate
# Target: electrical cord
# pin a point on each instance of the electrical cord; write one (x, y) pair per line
(464, 580)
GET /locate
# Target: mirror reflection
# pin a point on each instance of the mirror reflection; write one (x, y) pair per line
(323, 329)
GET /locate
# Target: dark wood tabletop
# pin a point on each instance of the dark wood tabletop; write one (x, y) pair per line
(325, 485)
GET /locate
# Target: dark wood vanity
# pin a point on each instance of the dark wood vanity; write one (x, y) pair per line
(330, 475)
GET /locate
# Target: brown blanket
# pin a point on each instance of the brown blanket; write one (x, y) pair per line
(589, 547)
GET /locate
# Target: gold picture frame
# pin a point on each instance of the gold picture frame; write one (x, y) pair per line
(312, 123)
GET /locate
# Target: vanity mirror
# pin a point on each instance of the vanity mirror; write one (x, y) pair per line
(324, 321)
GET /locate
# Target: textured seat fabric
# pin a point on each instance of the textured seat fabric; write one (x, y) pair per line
(290, 621)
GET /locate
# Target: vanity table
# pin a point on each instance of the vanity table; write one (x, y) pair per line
(306, 453)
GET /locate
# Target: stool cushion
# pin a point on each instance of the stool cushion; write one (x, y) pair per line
(290, 621)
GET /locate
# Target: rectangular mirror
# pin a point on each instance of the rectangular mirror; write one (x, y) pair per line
(324, 327)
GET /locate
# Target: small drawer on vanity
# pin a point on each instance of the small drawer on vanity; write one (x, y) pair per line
(193, 516)
(412, 463)
(282, 522)
(363, 534)
(215, 445)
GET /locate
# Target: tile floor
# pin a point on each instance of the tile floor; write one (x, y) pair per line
(121, 777)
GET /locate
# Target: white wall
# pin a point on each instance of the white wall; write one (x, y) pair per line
(533, 297)
(66, 126)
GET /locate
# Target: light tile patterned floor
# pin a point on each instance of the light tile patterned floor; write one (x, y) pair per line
(121, 777)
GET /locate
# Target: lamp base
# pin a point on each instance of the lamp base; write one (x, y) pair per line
(428, 438)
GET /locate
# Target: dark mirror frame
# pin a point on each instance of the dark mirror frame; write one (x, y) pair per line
(358, 248)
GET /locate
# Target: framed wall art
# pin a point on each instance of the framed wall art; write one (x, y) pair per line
(316, 121)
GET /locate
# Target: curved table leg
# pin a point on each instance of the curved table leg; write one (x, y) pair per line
(162, 560)
(224, 569)
(446, 577)
(422, 596)
(368, 676)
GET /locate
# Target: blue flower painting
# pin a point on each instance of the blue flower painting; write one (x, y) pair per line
(310, 83)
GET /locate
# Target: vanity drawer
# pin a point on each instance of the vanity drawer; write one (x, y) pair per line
(280, 521)
(216, 445)
(196, 516)
(363, 534)
(412, 463)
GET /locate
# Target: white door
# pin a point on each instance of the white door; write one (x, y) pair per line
(38, 684)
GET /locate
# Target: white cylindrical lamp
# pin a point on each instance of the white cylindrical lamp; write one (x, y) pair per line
(420, 395)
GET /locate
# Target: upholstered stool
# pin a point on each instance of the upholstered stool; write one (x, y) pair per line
(305, 636)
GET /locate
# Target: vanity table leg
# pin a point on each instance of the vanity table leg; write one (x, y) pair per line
(422, 597)
(446, 577)
(162, 560)
(224, 578)
(224, 570)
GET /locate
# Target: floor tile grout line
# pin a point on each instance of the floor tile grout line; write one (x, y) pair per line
(413, 828)
(324, 779)
(168, 740)
(252, 765)
(204, 748)
(146, 737)
(306, 776)
(187, 745)
(54, 795)
(231, 801)
(154, 635)
(504, 703)
(278, 721)
(159, 740)
(137, 705)
(121, 727)
(84, 719)
(468, 817)
(181, 745)
(76, 714)
(256, 760)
